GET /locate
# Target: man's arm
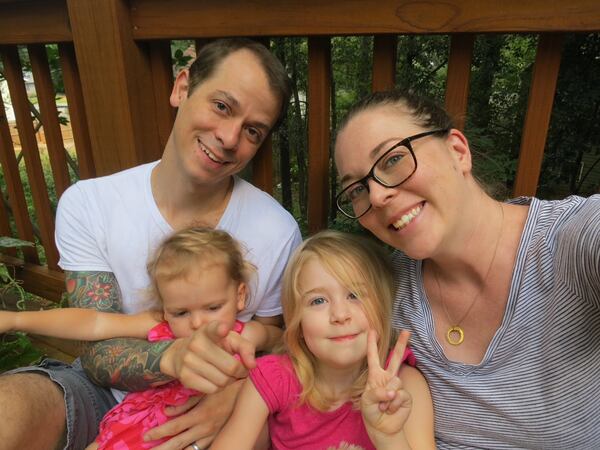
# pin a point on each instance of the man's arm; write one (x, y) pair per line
(124, 363)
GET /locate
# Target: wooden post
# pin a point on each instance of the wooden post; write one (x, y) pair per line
(459, 74)
(539, 110)
(384, 62)
(117, 85)
(319, 86)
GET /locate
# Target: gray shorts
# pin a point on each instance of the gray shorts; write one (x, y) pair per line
(86, 403)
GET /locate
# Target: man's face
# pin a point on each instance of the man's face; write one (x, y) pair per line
(221, 125)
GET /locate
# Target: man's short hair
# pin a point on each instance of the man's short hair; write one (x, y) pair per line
(212, 54)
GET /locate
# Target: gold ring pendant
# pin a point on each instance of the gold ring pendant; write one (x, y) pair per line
(455, 335)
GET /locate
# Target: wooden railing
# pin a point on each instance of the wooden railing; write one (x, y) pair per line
(116, 65)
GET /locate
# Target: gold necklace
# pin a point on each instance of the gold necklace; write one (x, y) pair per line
(455, 335)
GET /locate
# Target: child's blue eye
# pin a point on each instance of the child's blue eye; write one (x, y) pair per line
(317, 301)
(352, 296)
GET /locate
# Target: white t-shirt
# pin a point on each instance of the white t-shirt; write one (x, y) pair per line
(112, 224)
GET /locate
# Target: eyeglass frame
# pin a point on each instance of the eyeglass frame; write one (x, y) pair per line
(406, 142)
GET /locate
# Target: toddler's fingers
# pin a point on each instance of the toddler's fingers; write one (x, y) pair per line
(172, 411)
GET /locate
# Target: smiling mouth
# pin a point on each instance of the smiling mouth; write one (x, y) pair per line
(210, 154)
(347, 337)
(407, 218)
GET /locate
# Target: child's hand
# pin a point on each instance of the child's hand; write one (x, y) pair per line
(7, 321)
(385, 405)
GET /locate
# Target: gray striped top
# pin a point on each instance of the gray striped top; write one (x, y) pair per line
(538, 385)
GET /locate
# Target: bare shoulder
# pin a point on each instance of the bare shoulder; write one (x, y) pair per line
(412, 379)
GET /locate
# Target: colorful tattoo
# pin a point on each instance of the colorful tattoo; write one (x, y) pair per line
(124, 363)
(98, 290)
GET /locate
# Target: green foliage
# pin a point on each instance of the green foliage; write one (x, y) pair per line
(7, 281)
(16, 350)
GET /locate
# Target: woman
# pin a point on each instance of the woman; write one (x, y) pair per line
(503, 299)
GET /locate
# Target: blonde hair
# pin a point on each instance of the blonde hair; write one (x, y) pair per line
(187, 249)
(360, 266)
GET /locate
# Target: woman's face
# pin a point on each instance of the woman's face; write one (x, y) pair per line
(417, 216)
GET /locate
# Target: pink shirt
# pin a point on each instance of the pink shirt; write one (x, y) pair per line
(303, 427)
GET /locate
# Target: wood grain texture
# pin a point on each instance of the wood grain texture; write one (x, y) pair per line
(539, 110)
(117, 84)
(77, 114)
(384, 62)
(49, 116)
(39, 280)
(14, 188)
(209, 18)
(319, 87)
(459, 75)
(28, 22)
(35, 173)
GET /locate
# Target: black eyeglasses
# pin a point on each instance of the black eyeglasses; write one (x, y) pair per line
(391, 169)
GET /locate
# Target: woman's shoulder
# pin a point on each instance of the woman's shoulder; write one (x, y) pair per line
(553, 221)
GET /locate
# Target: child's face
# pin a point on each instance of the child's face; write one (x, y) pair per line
(206, 294)
(333, 322)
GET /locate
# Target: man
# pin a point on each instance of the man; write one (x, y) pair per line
(228, 102)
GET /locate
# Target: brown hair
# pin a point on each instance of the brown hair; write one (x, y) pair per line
(425, 112)
(362, 267)
(212, 54)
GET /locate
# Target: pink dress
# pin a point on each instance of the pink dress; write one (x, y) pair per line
(124, 426)
(303, 427)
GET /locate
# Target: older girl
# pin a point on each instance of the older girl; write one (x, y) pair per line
(329, 390)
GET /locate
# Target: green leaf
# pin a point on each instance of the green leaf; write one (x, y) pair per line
(16, 350)
(6, 241)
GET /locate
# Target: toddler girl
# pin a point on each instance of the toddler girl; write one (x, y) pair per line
(198, 276)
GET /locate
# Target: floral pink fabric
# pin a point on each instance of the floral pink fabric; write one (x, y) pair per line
(124, 426)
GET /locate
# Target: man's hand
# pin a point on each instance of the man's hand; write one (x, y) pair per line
(205, 362)
(200, 422)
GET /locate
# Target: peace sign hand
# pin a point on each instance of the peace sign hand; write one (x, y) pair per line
(384, 404)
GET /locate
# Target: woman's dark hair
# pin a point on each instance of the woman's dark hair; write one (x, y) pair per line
(424, 112)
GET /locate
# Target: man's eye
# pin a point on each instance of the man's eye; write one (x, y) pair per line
(254, 134)
(221, 106)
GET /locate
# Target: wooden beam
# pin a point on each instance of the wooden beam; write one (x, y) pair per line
(319, 86)
(539, 110)
(38, 280)
(180, 19)
(14, 188)
(49, 113)
(33, 164)
(162, 80)
(36, 21)
(77, 115)
(384, 62)
(459, 74)
(117, 85)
